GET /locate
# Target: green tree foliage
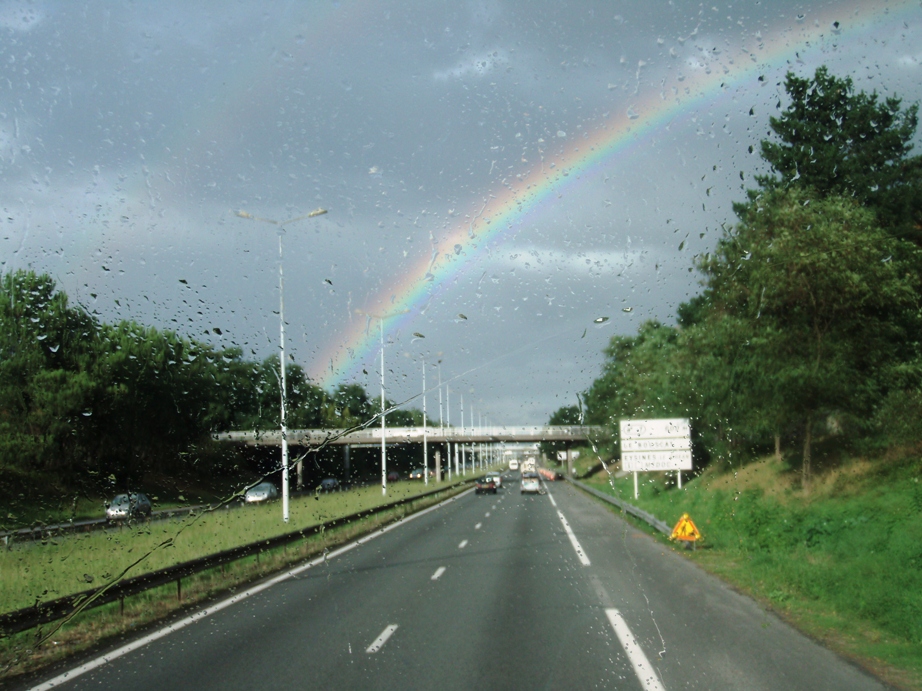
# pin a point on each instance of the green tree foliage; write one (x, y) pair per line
(823, 296)
(811, 301)
(841, 143)
(566, 416)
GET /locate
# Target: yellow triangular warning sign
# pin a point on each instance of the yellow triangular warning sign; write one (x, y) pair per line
(685, 529)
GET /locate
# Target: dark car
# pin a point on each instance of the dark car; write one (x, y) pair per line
(393, 476)
(485, 484)
(329, 484)
(420, 473)
(126, 507)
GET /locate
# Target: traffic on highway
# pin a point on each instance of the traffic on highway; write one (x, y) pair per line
(562, 592)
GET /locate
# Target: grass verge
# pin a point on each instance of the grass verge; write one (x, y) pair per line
(841, 563)
(28, 652)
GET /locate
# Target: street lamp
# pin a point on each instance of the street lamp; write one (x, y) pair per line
(425, 438)
(381, 318)
(283, 383)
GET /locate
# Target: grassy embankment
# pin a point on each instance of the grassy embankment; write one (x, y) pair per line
(842, 562)
(54, 568)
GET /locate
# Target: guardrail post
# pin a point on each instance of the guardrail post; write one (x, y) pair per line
(179, 589)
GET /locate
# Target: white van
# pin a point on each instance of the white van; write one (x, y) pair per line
(513, 465)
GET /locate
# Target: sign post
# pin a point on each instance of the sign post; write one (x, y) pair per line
(650, 445)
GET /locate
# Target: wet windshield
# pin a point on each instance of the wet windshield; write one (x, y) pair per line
(301, 271)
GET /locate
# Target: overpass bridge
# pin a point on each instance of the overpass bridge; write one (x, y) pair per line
(414, 435)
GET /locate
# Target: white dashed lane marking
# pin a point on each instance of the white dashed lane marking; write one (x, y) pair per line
(462, 544)
(642, 667)
(382, 639)
(438, 572)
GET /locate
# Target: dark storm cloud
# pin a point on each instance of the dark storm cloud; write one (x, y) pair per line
(131, 132)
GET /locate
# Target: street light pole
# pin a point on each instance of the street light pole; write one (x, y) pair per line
(381, 318)
(283, 379)
(425, 439)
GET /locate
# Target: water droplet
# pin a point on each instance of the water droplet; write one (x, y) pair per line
(627, 309)
(462, 316)
(457, 249)
(600, 320)
(418, 334)
(87, 413)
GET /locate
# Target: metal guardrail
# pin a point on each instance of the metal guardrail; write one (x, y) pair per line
(53, 610)
(624, 506)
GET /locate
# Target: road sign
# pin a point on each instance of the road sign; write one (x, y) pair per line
(685, 529)
(656, 460)
(660, 444)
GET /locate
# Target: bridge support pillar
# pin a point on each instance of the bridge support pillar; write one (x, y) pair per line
(569, 463)
(438, 465)
(346, 469)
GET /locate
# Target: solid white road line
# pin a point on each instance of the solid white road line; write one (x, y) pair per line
(552, 499)
(438, 572)
(201, 614)
(382, 639)
(462, 544)
(477, 527)
(642, 667)
(584, 560)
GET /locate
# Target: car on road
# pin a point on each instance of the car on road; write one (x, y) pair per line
(419, 474)
(126, 507)
(513, 465)
(264, 491)
(530, 483)
(485, 484)
(497, 478)
(329, 484)
(393, 476)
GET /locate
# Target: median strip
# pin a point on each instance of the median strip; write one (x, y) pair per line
(201, 614)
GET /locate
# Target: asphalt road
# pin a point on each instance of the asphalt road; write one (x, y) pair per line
(506, 591)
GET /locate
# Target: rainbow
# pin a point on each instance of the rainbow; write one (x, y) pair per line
(535, 191)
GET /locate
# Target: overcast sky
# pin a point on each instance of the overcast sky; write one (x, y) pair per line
(132, 133)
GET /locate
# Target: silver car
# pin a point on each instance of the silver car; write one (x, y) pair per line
(531, 484)
(264, 491)
(125, 507)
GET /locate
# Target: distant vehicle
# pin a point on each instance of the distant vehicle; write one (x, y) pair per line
(418, 474)
(264, 491)
(485, 484)
(393, 476)
(529, 465)
(329, 484)
(513, 465)
(531, 485)
(126, 507)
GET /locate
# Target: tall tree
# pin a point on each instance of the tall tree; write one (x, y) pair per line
(828, 293)
(841, 143)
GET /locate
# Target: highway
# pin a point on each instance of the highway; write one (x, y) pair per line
(508, 592)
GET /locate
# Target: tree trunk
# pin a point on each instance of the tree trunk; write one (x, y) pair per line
(805, 471)
(777, 446)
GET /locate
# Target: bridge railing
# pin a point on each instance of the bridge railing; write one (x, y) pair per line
(317, 437)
